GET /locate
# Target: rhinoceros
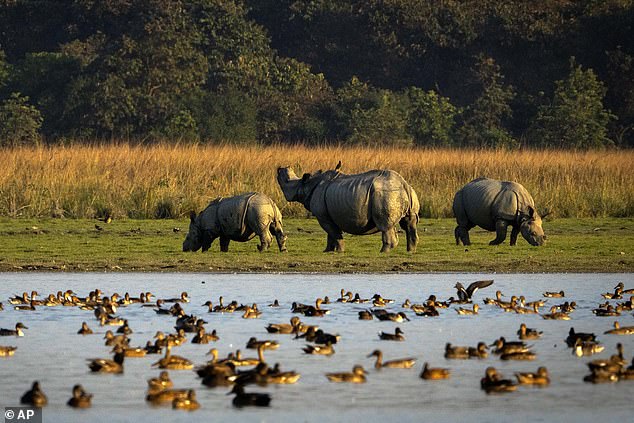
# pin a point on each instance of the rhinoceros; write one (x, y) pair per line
(494, 205)
(359, 204)
(237, 218)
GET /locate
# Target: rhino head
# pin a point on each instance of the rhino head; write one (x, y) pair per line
(300, 189)
(531, 228)
(196, 238)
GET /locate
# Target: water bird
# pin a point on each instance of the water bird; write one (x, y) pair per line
(620, 330)
(112, 339)
(316, 311)
(104, 365)
(434, 373)
(365, 315)
(159, 396)
(464, 295)
(188, 403)
(526, 333)
(80, 398)
(173, 362)
(245, 399)
(601, 377)
(7, 351)
(456, 352)
(319, 349)
(34, 396)
(468, 312)
(479, 351)
(584, 348)
(573, 336)
(502, 346)
(493, 383)
(555, 315)
(85, 330)
(184, 298)
(161, 382)
(202, 337)
(275, 303)
(11, 332)
(396, 336)
(609, 311)
(26, 307)
(285, 328)
(384, 315)
(252, 312)
(125, 329)
(559, 294)
(356, 376)
(519, 355)
(404, 363)
(539, 378)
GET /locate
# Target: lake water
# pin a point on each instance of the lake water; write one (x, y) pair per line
(54, 354)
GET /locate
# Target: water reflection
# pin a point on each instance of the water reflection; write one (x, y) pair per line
(52, 351)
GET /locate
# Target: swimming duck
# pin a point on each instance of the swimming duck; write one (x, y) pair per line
(125, 329)
(85, 330)
(583, 348)
(620, 330)
(480, 351)
(406, 304)
(285, 328)
(159, 396)
(426, 311)
(464, 295)
(356, 376)
(616, 295)
(161, 382)
(609, 311)
(621, 286)
(456, 352)
(244, 399)
(184, 298)
(204, 338)
(555, 315)
(601, 377)
(275, 303)
(345, 297)
(559, 294)
(275, 375)
(527, 310)
(104, 365)
(188, 403)
(493, 383)
(173, 362)
(316, 311)
(405, 363)
(6, 351)
(26, 307)
(518, 355)
(468, 312)
(240, 361)
(253, 344)
(34, 396)
(158, 308)
(134, 351)
(151, 348)
(17, 332)
(19, 299)
(318, 336)
(494, 301)
(396, 336)
(614, 364)
(252, 312)
(112, 339)
(379, 301)
(358, 300)
(526, 333)
(540, 378)
(538, 303)
(384, 315)
(502, 346)
(319, 349)
(573, 336)
(80, 398)
(627, 305)
(365, 315)
(434, 373)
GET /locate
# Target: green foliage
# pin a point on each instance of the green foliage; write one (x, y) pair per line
(181, 127)
(431, 118)
(576, 117)
(20, 122)
(484, 119)
(4, 69)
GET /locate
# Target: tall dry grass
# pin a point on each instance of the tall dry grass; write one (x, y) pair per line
(163, 180)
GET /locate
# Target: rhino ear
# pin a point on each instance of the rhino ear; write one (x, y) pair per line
(531, 212)
(305, 177)
(192, 215)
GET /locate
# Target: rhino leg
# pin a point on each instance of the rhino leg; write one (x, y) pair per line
(514, 232)
(408, 225)
(501, 227)
(462, 234)
(224, 244)
(335, 236)
(390, 239)
(280, 236)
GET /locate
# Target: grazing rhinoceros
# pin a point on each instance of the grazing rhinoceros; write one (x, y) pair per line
(360, 204)
(236, 218)
(494, 205)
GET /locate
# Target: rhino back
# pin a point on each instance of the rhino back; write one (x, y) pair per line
(230, 216)
(477, 201)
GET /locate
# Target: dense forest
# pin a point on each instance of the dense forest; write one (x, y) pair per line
(473, 73)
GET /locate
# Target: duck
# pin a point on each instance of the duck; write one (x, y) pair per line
(275, 303)
(493, 383)
(134, 351)
(365, 315)
(453, 352)
(188, 403)
(285, 328)
(539, 378)
(404, 363)
(184, 298)
(153, 348)
(551, 294)
(617, 294)
(601, 377)
(158, 308)
(245, 399)
(161, 382)
(434, 373)
(7, 351)
(80, 398)
(396, 336)
(379, 301)
(316, 311)
(85, 330)
(614, 364)
(345, 297)
(426, 311)
(494, 301)
(253, 344)
(26, 307)
(358, 300)
(252, 312)
(620, 330)
(318, 336)
(384, 315)
(479, 351)
(464, 295)
(502, 346)
(319, 349)
(202, 337)
(519, 355)
(467, 312)
(584, 348)
(609, 311)
(159, 396)
(275, 375)
(125, 329)
(34, 396)
(525, 333)
(104, 365)
(173, 362)
(356, 376)
(11, 332)
(112, 339)
(573, 336)
(555, 315)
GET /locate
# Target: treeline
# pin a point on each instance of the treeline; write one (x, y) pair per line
(489, 73)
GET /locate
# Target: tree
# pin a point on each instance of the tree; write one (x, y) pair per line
(20, 122)
(575, 118)
(431, 118)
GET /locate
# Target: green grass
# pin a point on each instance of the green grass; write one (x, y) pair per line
(575, 245)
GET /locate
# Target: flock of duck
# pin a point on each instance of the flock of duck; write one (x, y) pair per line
(237, 372)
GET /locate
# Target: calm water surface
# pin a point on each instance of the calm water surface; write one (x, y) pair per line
(53, 353)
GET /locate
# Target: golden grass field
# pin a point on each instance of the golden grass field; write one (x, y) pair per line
(133, 181)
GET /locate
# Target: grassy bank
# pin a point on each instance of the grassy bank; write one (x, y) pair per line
(156, 181)
(575, 245)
